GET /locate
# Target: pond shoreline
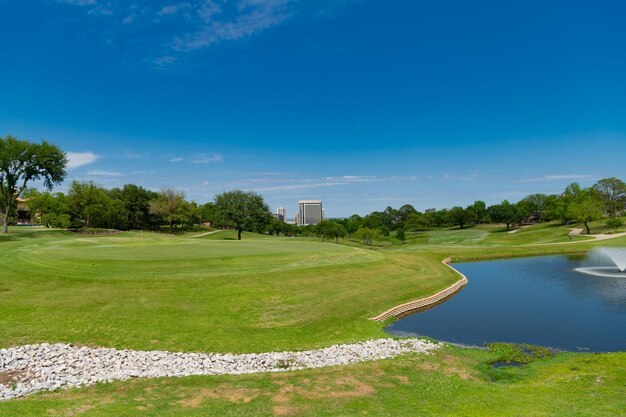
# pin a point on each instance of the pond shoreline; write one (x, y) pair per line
(420, 303)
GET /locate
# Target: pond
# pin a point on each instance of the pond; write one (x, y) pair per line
(540, 301)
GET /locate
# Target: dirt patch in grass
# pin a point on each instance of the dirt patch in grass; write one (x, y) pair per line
(402, 379)
(233, 395)
(285, 410)
(450, 365)
(319, 388)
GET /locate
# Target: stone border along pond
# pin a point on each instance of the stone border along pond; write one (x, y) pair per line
(426, 301)
(46, 367)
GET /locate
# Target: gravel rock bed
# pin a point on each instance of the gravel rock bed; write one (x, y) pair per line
(46, 367)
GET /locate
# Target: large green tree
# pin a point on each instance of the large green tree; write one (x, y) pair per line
(613, 192)
(22, 162)
(504, 212)
(586, 209)
(330, 229)
(171, 205)
(49, 209)
(461, 217)
(91, 206)
(479, 208)
(242, 210)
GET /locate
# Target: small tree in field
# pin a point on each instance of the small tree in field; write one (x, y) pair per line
(22, 162)
(242, 210)
(367, 235)
(585, 210)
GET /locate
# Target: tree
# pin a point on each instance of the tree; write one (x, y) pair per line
(586, 209)
(136, 201)
(330, 229)
(89, 204)
(461, 217)
(416, 221)
(22, 162)
(242, 210)
(400, 235)
(403, 213)
(613, 193)
(536, 205)
(49, 209)
(367, 235)
(614, 222)
(170, 204)
(354, 222)
(479, 208)
(207, 213)
(503, 213)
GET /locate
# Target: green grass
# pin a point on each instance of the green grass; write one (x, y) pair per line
(213, 293)
(152, 291)
(453, 382)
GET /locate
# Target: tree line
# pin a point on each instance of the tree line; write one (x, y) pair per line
(132, 207)
(606, 199)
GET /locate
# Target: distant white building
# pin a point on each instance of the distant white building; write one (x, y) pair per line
(281, 212)
(310, 212)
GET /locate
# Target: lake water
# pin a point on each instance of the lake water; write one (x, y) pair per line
(539, 300)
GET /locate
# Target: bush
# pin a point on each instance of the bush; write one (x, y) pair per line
(614, 222)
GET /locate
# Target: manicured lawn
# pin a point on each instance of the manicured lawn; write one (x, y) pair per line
(213, 293)
(152, 291)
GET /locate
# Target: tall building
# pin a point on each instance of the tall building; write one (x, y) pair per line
(310, 211)
(282, 214)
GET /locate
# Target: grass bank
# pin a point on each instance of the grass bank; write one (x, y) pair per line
(211, 293)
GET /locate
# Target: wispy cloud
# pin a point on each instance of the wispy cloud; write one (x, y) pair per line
(173, 9)
(177, 159)
(79, 2)
(302, 186)
(289, 184)
(191, 25)
(249, 18)
(559, 177)
(355, 178)
(103, 173)
(128, 154)
(206, 158)
(78, 159)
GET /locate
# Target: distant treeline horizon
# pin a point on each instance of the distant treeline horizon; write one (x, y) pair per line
(132, 207)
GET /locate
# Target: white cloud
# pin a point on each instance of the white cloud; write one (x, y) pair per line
(177, 159)
(103, 173)
(177, 27)
(129, 19)
(252, 17)
(206, 158)
(303, 186)
(354, 178)
(172, 9)
(78, 159)
(165, 62)
(79, 2)
(559, 177)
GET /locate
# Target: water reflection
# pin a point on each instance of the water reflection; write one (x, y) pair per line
(539, 300)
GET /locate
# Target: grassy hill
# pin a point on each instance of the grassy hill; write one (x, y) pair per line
(213, 293)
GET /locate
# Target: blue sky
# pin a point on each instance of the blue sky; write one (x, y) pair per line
(362, 104)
